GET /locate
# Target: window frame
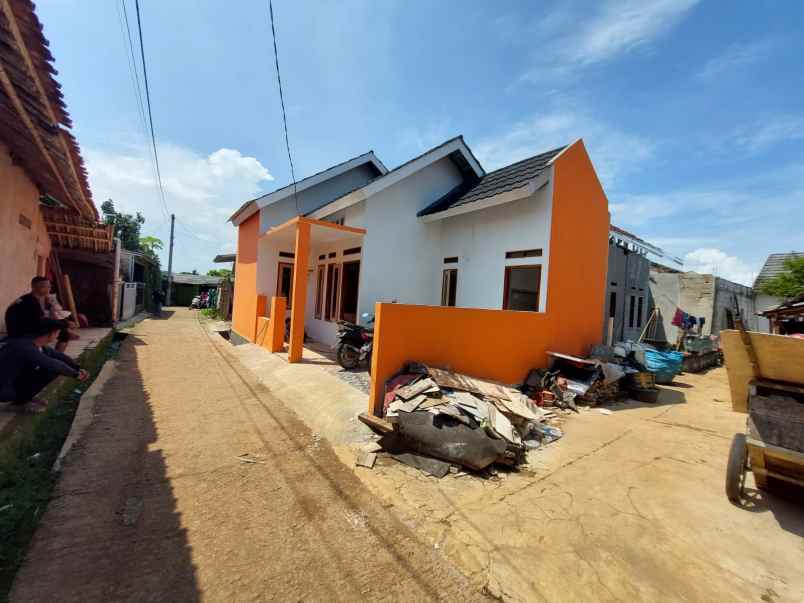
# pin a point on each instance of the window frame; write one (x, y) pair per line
(321, 279)
(340, 288)
(507, 279)
(449, 284)
(289, 296)
(333, 292)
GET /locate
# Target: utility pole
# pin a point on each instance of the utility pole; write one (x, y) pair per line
(170, 260)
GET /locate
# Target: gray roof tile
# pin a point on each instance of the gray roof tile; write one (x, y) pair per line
(774, 265)
(499, 181)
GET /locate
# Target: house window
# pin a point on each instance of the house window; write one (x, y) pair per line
(349, 288)
(521, 290)
(523, 253)
(449, 286)
(639, 311)
(319, 292)
(612, 304)
(333, 277)
(284, 282)
(451, 260)
(631, 304)
(351, 251)
(287, 254)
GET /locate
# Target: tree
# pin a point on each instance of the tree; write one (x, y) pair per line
(151, 245)
(224, 272)
(126, 227)
(788, 283)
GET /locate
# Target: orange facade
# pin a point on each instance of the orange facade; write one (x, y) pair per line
(500, 344)
(244, 310)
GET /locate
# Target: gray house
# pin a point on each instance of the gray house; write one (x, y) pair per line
(774, 265)
(627, 288)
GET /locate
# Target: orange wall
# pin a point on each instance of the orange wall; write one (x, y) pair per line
(21, 246)
(501, 344)
(244, 310)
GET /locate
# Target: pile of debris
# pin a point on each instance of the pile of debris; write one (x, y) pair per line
(435, 418)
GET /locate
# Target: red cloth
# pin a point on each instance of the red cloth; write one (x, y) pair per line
(678, 318)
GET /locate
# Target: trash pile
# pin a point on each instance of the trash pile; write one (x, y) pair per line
(435, 419)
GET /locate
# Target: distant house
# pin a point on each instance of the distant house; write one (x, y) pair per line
(437, 230)
(706, 296)
(774, 265)
(187, 286)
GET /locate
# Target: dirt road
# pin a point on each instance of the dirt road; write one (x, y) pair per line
(158, 503)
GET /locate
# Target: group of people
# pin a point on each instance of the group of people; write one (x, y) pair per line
(33, 353)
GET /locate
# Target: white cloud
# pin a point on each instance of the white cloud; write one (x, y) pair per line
(612, 151)
(623, 25)
(572, 39)
(203, 191)
(737, 57)
(708, 260)
(768, 131)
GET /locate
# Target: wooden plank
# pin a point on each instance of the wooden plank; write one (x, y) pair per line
(68, 290)
(376, 423)
(781, 358)
(774, 451)
(411, 391)
(470, 384)
(778, 385)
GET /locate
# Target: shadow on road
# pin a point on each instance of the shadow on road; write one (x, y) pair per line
(112, 531)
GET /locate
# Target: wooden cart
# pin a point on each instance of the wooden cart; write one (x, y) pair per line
(766, 378)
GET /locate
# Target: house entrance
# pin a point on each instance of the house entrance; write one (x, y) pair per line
(349, 288)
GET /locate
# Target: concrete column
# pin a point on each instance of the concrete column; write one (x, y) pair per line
(276, 328)
(302, 253)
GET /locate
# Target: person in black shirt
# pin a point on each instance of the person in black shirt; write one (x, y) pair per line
(25, 313)
(28, 365)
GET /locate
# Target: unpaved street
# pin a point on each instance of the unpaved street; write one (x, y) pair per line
(155, 505)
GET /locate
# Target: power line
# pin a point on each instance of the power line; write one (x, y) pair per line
(148, 102)
(132, 66)
(282, 102)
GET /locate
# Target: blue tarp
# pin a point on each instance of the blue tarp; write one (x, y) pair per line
(665, 364)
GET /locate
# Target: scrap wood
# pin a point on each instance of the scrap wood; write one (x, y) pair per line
(519, 408)
(414, 389)
(376, 423)
(502, 426)
(366, 459)
(431, 403)
(412, 404)
(470, 384)
(393, 384)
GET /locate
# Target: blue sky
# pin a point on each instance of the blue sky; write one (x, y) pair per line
(693, 112)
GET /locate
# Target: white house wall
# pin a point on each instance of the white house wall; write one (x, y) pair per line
(480, 240)
(401, 254)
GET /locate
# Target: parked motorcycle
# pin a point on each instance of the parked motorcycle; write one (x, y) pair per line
(355, 343)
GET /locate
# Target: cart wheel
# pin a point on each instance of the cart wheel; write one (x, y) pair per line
(735, 471)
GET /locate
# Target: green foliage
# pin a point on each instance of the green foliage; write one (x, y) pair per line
(224, 272)
(788, 283)
(210, 312)
(151, 245)
(126, 227)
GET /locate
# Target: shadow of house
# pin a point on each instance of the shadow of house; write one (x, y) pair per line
(112, 531)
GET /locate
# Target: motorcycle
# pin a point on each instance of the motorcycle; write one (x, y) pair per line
(355, 343)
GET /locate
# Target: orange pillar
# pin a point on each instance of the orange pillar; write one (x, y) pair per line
(262, 306)
(299, 291)
(276, 328)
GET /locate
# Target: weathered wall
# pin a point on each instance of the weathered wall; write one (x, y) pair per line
(244, 311)
(22, 245)
(763, 302)
(502, 344)
(725, 293)
(628, 274)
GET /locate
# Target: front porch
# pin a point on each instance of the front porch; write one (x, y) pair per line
(310, 272)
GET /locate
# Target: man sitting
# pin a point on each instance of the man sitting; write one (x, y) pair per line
(24, 314)
(28, 365)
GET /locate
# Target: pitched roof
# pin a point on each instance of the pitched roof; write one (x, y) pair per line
(33, 118)
(499, 181)
(463, 157)
(774, 265)
(194, 279)
(300, 185)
